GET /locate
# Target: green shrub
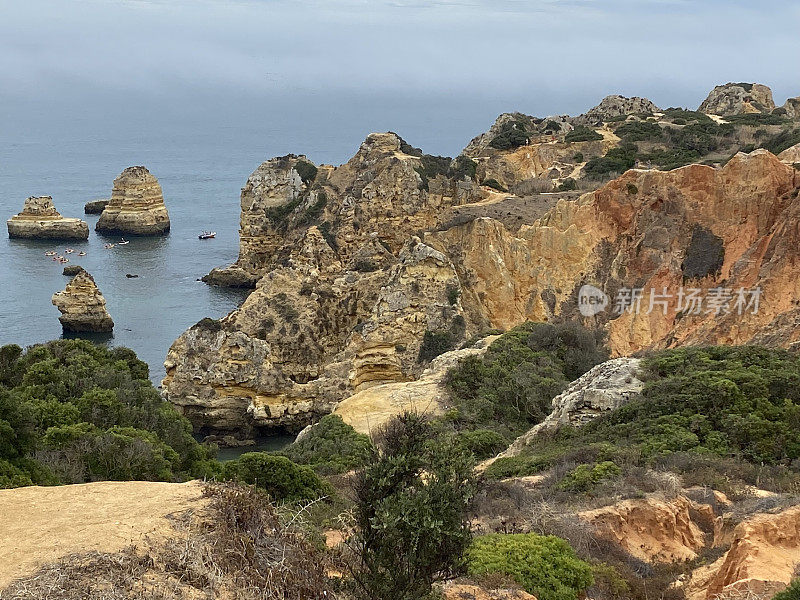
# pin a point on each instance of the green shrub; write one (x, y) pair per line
(410, 512)
(512, 134)
(306, 170)
(578, 158)
(637, 131)
(89, 413)
(483, 443)
(331, 447)
(431, 166)
(282, 479)
(583, 478)
(616, 160)
(581, 133)
(632, 189)
(568, 185)
(494, 184)
(790, 593)
(783, 140)
(755, 119)
(551, 127)
(453, 294)
(675, 114)
(512, 385)
(435, 343)
(545, 566)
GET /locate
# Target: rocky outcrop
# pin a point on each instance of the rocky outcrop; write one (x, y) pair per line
(652, 529)
(617, 106)
(791, 155)
(39, 219)
(136, 206)
(737, 99)
(696, 226)
(761, 560)
(366, 411)
(603, 388)
(465, 591)
(82, 306)
(95, 207)
(791, 108)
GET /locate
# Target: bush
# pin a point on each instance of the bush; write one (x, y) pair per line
(435, 343)
(410, 512)
(568, 185)
(482, 443)
(331, 447)
(88, 413)
(616, 160)
(584, 477)
(755, 119)
(512, 134)
(578, 158)
(790, 593)
(494, 184)
(512, 385)
(581, 133)
(306, 170)
(637, 131)
(282, 479)
(783, 140)
(545, 566)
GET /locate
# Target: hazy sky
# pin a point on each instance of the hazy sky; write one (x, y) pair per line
(450, 66)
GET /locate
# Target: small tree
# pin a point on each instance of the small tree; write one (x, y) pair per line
(410, 506)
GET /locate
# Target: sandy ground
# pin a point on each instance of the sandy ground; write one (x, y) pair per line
(42, 524)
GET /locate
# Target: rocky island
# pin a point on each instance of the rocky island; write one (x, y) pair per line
(39, 219)
(82, 306)
(136, 206)
(95, 207)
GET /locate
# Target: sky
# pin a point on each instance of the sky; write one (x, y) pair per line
(443, 69)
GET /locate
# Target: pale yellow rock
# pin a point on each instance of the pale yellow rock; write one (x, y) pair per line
(82, 306)
(39, 219)
(136, 206)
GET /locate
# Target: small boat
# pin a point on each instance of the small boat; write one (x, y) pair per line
(207, 235)
(123, 241)
(109, 246)
(70, 250)
(81, 253)
(50, 253)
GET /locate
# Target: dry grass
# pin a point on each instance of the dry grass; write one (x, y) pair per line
(243, 548)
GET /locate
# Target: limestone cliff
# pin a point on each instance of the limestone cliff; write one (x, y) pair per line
(738, 98)
(39, 219)
(617, 106)
(136, 206)
(82, 306)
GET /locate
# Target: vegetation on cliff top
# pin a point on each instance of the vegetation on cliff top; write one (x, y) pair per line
(716, 415)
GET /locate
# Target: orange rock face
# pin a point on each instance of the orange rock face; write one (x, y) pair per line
(695, 227)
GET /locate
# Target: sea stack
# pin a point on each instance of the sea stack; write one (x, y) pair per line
(95, 207)
(39, 219)
(82, 306)
(136, 206)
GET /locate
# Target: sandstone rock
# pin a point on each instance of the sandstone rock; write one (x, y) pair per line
(39, 219)
(650, 529)
(465, 591)
(95, 207)
(274, 186)
(738, 98)
(82, 306)
(603, 388)
(612, 238)
(762, 559)
(792, 108)
(791, 155)
(617, 106)
(136, 206)
(368, 410)
(72, 270)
